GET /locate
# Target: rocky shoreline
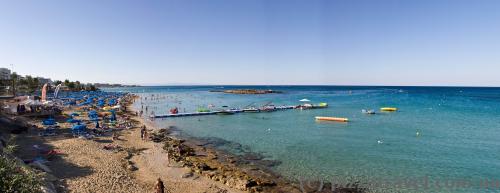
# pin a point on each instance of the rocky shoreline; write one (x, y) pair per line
(232, 170)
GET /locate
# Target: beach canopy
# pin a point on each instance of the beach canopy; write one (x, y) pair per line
(305, 100)
(79, 128)
(70, 120)
(49, 121)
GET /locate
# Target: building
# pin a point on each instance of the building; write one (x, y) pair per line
(4, 74)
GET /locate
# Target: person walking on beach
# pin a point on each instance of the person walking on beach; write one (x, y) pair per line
(143, 130)
(160, 188)
(145, 137)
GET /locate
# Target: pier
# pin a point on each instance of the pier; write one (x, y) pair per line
(231, 111)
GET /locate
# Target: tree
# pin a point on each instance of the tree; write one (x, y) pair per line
(57, 82)
(32, 84)
(93, 88)
(71, 85)
(36, 82)
(78, 85)
(23, 82)
(14, 78)
(66, 82)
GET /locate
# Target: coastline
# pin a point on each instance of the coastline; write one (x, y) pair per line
(205, 160)
(84, 165)
(120, 161)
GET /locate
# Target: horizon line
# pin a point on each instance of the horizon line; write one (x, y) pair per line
(339, 85)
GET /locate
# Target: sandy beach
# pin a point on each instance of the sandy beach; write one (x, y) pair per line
(83, 165)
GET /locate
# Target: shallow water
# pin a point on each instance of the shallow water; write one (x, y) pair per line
(459, 130)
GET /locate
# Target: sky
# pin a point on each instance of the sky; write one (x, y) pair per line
(255, 42)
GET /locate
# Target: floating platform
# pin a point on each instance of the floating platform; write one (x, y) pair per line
(337, 119)
(234, 111)
(189, 114)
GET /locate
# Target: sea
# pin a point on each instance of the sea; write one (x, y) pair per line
(441, 139)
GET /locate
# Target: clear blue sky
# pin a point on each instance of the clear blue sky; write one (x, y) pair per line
(348, 42)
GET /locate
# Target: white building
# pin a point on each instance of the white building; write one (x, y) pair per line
(4, 74)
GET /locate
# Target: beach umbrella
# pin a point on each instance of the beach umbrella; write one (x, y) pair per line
(73, 120)
(113, 115)
(79, 128)
(49, 121)
(56, 92)
(305, 100)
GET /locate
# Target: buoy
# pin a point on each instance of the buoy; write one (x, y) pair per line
(338, 119)
(388, 109)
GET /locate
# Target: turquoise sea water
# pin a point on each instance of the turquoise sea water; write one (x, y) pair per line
(458, 148)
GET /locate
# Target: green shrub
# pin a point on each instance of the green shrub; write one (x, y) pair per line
(11, 145)
(17, 179)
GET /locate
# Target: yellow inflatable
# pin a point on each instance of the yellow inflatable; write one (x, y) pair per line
(388, 109)
(338, 119)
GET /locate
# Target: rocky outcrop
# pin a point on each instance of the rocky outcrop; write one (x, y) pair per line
(221, 166)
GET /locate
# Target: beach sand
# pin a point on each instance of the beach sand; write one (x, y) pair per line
(84, 166)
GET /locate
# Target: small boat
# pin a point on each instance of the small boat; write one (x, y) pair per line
(338, 119)
(370, 112)
(388, 109)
